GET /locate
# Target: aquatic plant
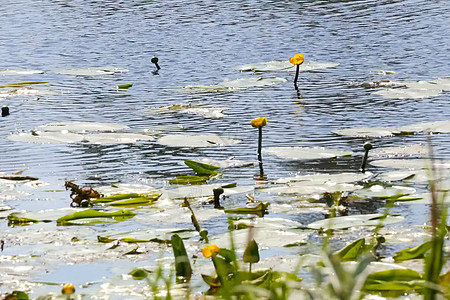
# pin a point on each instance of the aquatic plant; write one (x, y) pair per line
(297, 60)
(260, 123)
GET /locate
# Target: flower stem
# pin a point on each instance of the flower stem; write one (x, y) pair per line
(296, 74)
(259, 151)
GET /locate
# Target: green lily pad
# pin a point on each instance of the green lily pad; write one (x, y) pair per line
(90, 71)
(124, 86)
(352, 251)
(204, 140)
(388, 193)
(8, 72)
(189, 179)
(201, 168)
(355, 221)
(416, 176)
(412, 252)
(394, 280)
(258, 209)
(20, 84)
(284, 65)
(233, 85)
(118, 216)
(305, 153)
(423, 198)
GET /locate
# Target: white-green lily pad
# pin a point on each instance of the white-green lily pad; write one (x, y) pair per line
(117, 138)
(81, 127)
(309, 188)
(366, 131)
(324, 178)
(416, 89)
(400, 151)
(191, 109)
(232, 85)
(355, 221)
(305, 153)
(284, 65)
(434, 127)
(198, 191)
(8, 72)
(201, 140)
(47, 137)
(416, 176)
(122, 188)
(410, 163)
(381, 192)
(227, 163)
(90, 71)
(423, 198)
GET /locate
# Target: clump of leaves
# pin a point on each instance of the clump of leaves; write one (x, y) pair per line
(204, 173)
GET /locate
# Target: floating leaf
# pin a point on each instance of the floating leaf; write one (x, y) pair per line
(321, 178)
(47, 137)
(128, 200)
(138, 274)
(306, 188)
(13, 219)
(355, 221)
(120, 215)
(434, 127)
(285, 65)
(81, 127)
(20, 84)
(412, 252)
(401, 151)
(410, 163)
(232, 85)
(124, 86)
(394, 280)
(201, 168)
(227, 163)
(305, 153)
(18, 178)
(388, 193)
(90, 71)
(352, 251)
(251, 253)
(116, 138)
(206, 140)
(192, 109)
(416, 89)
(189, 179)
(8, 72)
(182, 264)
(259, 209)
(366, 131)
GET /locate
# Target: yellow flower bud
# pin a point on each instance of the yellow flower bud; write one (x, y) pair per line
(260, 122)
(297, 59)
(68, 289)
(210, 250)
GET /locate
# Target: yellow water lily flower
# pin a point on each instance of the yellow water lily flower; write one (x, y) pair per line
(68, 289)
(298, 59)
(210, 250)
(259, 122)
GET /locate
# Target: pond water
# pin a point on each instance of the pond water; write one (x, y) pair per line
(199, 42)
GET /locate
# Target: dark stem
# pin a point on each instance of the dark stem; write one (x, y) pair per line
(157, 66)
(367, 147)
(217, 193)
(296, 75)
(5, 111)
(261, 171)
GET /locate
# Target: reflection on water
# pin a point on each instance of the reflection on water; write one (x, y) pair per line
(198, 42)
